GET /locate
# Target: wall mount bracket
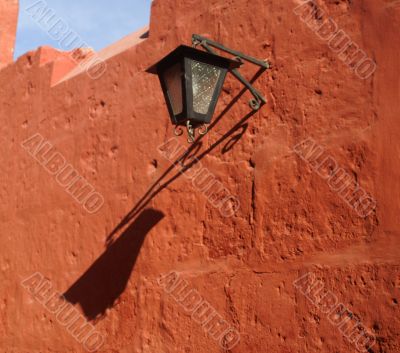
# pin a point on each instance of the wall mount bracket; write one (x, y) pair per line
(207, 44)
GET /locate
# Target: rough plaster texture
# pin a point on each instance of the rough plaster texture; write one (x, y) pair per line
(290, 222)
(8, 27)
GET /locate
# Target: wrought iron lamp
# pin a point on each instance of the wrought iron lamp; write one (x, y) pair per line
(192, 80)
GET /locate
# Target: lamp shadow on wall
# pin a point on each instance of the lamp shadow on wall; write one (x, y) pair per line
(106, 279)
(230, 139)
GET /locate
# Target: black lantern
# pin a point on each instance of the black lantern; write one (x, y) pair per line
(192, 81)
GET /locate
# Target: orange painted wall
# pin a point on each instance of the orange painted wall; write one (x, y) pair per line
(154, 221)
(8, 27)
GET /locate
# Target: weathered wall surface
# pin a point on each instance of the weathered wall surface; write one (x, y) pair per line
(8, 27)
(290, 221)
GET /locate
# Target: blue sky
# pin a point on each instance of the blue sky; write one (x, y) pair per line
(98, 22)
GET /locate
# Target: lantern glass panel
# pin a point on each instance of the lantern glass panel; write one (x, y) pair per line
(173, 81)
(204, 82)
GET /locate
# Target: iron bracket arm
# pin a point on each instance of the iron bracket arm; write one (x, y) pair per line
(206, 43)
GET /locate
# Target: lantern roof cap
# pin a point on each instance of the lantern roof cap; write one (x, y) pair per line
(195, 54)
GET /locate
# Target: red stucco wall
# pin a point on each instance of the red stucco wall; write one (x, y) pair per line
(154, 221)
(8, 26)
